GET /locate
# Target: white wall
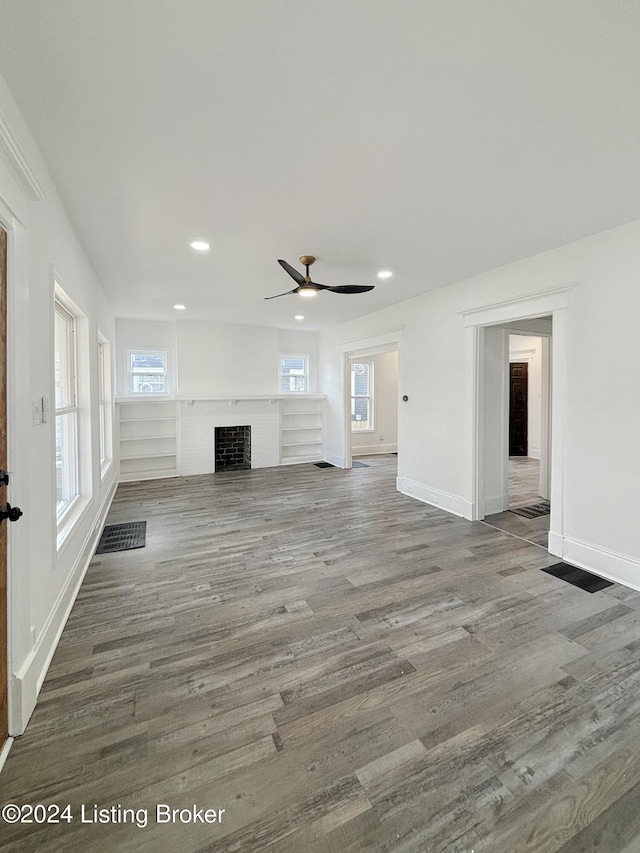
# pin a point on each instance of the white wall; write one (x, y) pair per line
(384, 438)
(601, 417)
(214, 359)
(529, 349)
(42, 581)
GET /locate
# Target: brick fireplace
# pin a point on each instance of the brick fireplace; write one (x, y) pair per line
(232, 448)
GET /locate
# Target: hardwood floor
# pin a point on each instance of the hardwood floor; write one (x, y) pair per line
(524, 480)
(339, 668)
(524, 476)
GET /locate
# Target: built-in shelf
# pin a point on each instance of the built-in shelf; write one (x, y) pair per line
(301, 431)
(150, 431)
(149, 456)
(148, 439)
(143, 420)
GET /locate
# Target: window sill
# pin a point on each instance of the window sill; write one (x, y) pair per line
(361, 431)
(70, 519)
(105, 468)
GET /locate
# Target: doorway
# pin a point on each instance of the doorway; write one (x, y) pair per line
(371, 414)
(518, 408)
(478, 321)
(373, 410)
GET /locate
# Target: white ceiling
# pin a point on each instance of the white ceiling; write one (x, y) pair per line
(438, 138)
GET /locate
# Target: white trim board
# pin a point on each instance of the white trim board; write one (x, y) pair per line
(616, 567)
(373, 449)
(18, 164)
(335, 459)
(524, 307)
(373, 343)
(4, 752)
(454, 504)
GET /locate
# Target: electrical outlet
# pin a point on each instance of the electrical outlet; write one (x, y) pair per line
(37, 412)
(381, 438)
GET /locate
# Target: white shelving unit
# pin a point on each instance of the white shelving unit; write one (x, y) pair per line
(301, 430)
(148, 439)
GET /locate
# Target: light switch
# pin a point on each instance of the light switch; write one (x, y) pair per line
(45, 409)
(37, 412)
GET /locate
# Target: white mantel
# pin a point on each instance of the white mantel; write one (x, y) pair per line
(200, 416)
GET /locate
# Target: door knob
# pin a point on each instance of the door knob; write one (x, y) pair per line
(13, 513)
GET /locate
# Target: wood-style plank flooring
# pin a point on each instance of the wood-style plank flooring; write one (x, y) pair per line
(524, 480)
(524, 474)
(340, 668)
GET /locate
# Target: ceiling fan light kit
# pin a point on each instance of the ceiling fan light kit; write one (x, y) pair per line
(308, 288)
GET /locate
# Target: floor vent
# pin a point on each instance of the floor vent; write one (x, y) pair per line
(122, 537)
(533, 511)
(577, 577)
(324, 465)
(359, 465)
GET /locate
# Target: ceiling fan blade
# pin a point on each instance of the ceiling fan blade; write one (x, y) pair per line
(295, 275)
(352, 288)
(286, 293)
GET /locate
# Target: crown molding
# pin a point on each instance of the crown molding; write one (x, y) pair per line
(528, 305)
(15, 159)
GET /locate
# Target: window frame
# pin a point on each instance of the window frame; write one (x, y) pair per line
(68, 412)
(369, 396)
(130, 373)
(105, 405)
(65, 521)
(305, 357)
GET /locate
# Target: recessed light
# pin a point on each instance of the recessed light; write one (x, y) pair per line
(180, 307)
(299, 317)
(200, 246)
(385, 274)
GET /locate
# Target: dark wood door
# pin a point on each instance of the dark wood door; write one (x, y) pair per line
(4, 684)
(518, 409)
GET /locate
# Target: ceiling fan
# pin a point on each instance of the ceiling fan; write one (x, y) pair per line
(306, 287)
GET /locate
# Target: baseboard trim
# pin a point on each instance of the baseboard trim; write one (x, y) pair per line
(616, 567)
(372, 449)
(27, 681)
(335, 459)
(4, 752)
(435, 497)
(555, 545)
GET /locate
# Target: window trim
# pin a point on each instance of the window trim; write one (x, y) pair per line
(64, 524)
(131, 373)
(61, 309)
(105, 405)
(369, 396)
(281, 376)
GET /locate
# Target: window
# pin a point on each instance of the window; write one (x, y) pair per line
(362, 395)
(66, 402)
(104, 402)
(147, 372)
(294, 373)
